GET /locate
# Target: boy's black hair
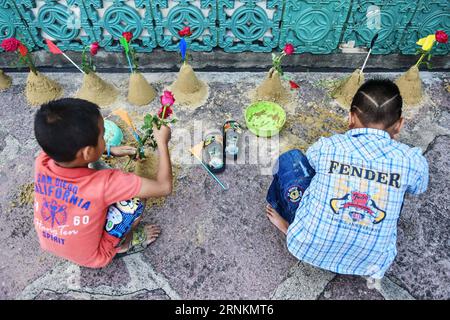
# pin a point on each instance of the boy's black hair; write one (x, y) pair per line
(64, 126)
(378, 101)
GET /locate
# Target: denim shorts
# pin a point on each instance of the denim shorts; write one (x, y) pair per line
(292, 174)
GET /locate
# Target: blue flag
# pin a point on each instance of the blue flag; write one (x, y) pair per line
(183, 47)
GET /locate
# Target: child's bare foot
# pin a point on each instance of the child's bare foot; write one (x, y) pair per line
(276, 219)
(149, 234)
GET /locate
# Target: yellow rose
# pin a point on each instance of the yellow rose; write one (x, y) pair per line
(427, 42)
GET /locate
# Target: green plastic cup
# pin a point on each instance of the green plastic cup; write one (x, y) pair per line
(265, 118)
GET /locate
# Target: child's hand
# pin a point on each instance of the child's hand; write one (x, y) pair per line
(162, 136)
(122, 151)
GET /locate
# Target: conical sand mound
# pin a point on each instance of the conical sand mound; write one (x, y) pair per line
(97, 90)
(5, 81)
(148, 167)
(410, 86)
(40, 89)
(188, 89)
(345, 92)
(140, 92)
(271, 89)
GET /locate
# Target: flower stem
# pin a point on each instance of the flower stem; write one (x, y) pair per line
(84, 63)
(30, 63)
(126, 165)
(421, 59)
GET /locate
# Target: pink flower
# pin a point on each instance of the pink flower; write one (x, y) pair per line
(186, 32)
(94, 48)
(127, 35)
(167, 99)
(293, 85)
(441, 36)
(167, 114)
(10, 44)
(289, 49)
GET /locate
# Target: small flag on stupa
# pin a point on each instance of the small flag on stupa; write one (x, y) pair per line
(55, 50)
(52, 47)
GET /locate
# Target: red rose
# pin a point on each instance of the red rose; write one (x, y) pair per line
(94, 48)
(23, 50)
(441, 36)
(289, 49)
(127, 35)
(167, 114)
(293, 85)
(10, 44)
(167, 99)
(186, 32)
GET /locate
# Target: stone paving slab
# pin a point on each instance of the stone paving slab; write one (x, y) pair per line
(349, 288)
(423, 261)
(217, 244)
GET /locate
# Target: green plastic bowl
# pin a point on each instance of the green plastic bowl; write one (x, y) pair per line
(265, 118)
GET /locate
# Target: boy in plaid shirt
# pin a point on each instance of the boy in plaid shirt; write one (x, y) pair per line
(339, 205)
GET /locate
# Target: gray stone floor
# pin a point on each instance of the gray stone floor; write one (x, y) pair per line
(216, 244)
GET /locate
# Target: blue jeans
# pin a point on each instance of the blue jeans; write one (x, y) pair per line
(292, 175)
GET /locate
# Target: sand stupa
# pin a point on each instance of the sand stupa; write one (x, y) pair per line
(271, 89)
(96, 90)
(410, 86)
(188, 89)
(5, 81)
(40, 89)
(347, 89)
(147, 167)
(140, 92)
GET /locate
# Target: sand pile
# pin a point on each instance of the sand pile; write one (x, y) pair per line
(318, 121)
(5, 81)
(346, 90)
(97, 90)
(26, 196)
(40, 89)
(140, 92)
(148, 167)
(410, 86)
(188, 89)
(271, 89)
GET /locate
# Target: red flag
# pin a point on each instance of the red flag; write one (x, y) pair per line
(293, 85)
(52, 47)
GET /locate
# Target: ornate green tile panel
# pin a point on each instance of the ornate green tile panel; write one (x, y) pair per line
(110, 18)
(431, 15)
(12, 25)
(172, 16)
(249, 25)
(62, 21)
(388, 18)
(314, 26)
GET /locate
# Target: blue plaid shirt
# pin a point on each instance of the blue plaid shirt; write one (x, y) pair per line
(347, 219)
